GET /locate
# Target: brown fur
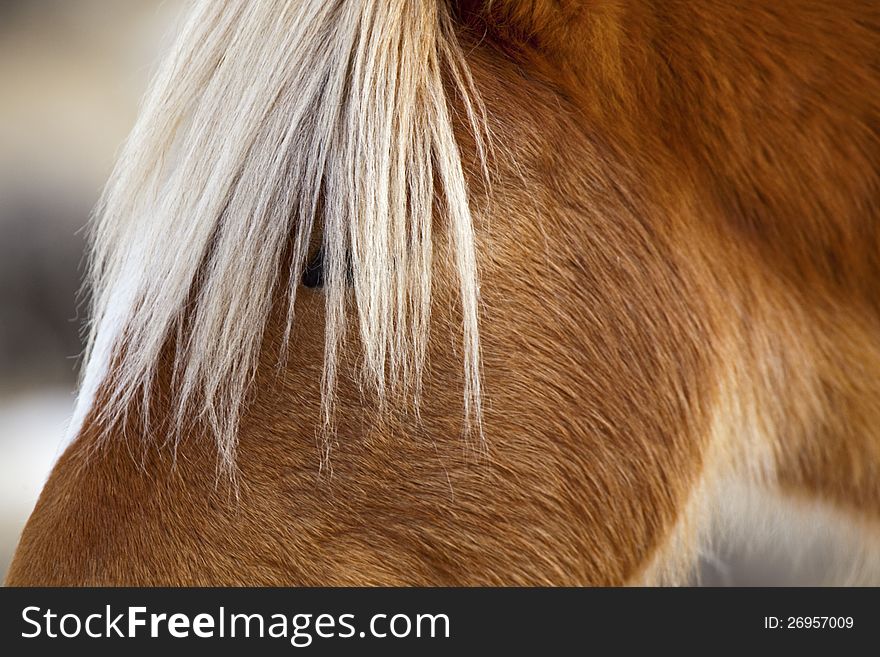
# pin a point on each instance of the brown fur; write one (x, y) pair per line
(682, 246)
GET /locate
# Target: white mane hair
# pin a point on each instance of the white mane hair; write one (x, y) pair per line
(264, 115)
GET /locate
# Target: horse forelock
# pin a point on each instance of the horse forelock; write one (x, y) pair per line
(265, 121)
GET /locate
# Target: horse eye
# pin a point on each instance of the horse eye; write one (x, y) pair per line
(313, 274)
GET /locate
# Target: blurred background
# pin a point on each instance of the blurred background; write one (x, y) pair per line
(71, 75)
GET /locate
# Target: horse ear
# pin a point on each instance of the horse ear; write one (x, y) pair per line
(544, 24)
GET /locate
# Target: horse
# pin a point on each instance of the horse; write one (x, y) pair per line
(480, 292)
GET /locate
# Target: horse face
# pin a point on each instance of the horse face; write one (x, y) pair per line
(634, 331)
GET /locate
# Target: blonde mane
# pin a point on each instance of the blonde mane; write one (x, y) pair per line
(264, 115)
